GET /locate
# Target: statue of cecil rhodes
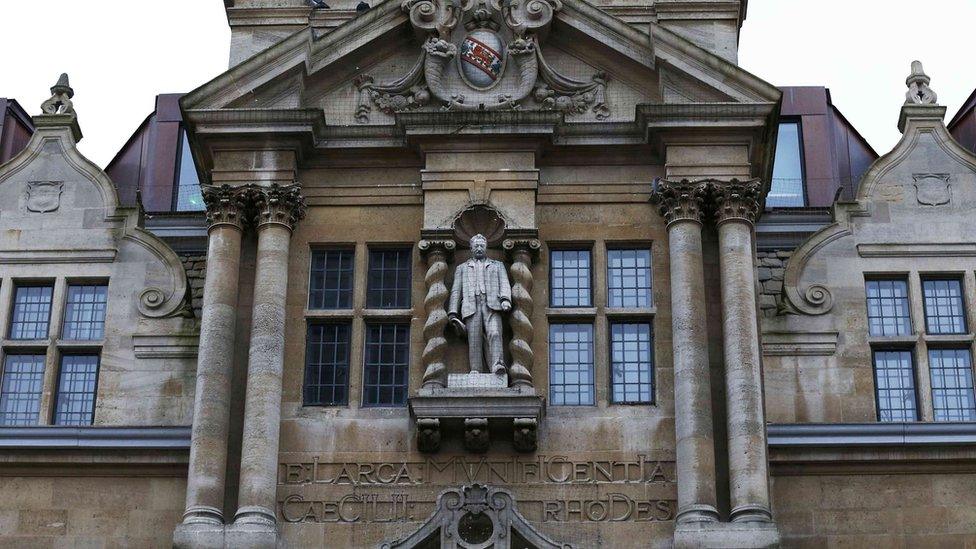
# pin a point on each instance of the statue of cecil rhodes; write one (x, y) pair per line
(480, 295)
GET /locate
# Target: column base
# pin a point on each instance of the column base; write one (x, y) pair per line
(695, 514)
(726, 535)
(199, 535)
(255, 514)
(240, 535)
(751, 514)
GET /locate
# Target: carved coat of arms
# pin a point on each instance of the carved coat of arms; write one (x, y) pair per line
(44, 196)
(932, 189)
(482, 55)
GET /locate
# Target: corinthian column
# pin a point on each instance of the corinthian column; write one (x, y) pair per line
(437, 253)
(278, 209)
(680, 202)
(737, 205)
(211, 405)
(521, 252)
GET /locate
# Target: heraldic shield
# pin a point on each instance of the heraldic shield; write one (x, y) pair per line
(44, 196)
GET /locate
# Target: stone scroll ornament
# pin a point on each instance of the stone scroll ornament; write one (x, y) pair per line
(494, 62)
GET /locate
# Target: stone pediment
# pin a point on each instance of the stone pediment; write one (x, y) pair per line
(561, 56)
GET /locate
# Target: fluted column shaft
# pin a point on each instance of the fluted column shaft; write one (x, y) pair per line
(736, 209)
(278, 209)
(680, 203)
(211, 406)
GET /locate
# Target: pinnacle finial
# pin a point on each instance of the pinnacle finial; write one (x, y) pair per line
(60, 101)
(919, 92)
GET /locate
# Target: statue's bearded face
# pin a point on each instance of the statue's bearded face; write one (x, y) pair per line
(479, 248)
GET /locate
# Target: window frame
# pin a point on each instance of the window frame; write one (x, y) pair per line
(12, 308)
(389, 247)
(177, 171)
(553, 250)
(367, 325)
(616, 247)
(925, 278)
(56, 396)
(611, 322)
(804, 191)
(352, 276)
(913, 365)
(889, 277)
(34, 352)
(972, 378)
(592, 364)
(69, 283)
(347, 323)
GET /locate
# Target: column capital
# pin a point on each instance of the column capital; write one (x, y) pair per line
(680, 200)
(278, 204)
(445, 246)
(226, 205)
(736, 200)
(526, 244)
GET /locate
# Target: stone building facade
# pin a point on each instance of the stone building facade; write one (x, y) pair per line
(665, 383)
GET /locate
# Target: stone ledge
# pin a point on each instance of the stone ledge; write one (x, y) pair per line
(461, 402)
(726, 535)
(870, 434)
(101, 438)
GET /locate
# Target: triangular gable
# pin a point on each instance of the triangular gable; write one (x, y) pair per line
(282, 76)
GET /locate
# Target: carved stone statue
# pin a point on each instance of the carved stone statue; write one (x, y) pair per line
(480, 295)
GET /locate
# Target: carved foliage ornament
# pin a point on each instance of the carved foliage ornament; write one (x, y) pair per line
(492, 62)
(237, 206)
(737, 200)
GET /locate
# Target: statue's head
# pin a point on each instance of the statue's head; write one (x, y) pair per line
(479, 246)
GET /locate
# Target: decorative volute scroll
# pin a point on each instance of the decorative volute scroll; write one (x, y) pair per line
(919, 92)
(521, 253)
(736, 200)
(681, 200)
(476, 517)
(437, 253)
(60, 101)
(492, 61)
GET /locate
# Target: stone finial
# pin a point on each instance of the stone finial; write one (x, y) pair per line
(736, 200)
(919, 92)
(60, 101)
(680, 200)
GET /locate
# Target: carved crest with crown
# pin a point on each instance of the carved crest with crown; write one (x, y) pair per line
(482, 55)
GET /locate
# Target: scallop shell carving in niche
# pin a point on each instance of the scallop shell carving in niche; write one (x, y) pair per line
(479, 220)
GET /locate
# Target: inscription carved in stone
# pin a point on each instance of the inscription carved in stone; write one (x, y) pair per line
(44, 196)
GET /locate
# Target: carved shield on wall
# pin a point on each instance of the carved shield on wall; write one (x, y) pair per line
(44, 196)
(932, 189)
(481, 59)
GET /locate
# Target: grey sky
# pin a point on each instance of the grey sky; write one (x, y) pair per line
(121, 53)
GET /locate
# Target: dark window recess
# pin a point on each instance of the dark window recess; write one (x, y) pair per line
(629, 278)
(571, 364)
(84, 313)
(894, 376)
(75, 404)
(944, 309)
(887, 302)
(632, 363)
(331, 281)
(570, 278)
(32, 312)
(20, 390)
(787, 188)
(327, 365)
(388, 283)
(386, 364)
(187, 196)
(952, 384)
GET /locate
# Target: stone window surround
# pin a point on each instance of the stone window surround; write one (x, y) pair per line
(601, 315)
(53, 347)
(358, 316)
(919, 341)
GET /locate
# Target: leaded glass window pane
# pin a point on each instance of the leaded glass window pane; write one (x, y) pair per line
(952, 384)
(629, 278)
(84, 313)
(388, 284)
(571, 364)
(894, 375)
(570, 278)
(331, 281)
(944, 309)
(887, 302)
(386, 364)
(632, 363)
(20, 390)
(32, 312)
(327, 365)
(75, 403)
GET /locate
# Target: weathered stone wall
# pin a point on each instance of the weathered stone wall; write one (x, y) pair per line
(876, 510)
(195, 266)
(89, 511)
(771, 266)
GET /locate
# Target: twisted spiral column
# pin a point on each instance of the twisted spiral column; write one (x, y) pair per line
(437, 253)
(521, 252)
